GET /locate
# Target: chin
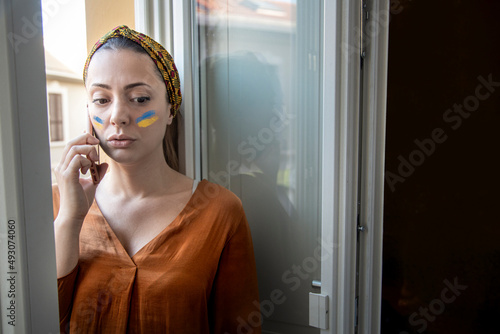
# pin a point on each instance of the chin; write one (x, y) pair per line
(131, 158)
(122, 157)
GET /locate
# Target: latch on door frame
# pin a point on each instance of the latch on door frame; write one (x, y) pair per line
(318, 310)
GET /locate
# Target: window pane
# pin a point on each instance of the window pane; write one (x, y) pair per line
(260, 91)
(55, 117)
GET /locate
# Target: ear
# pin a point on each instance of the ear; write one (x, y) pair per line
(170, 115)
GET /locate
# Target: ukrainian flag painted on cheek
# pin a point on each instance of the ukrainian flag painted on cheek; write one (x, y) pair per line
(148, 118)
(98, 123)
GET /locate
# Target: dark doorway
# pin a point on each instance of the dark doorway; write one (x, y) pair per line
(441, 269)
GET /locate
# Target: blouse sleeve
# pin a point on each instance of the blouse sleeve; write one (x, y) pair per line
(65, 284)
(235, 304)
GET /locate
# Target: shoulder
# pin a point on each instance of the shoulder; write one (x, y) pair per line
(217, 204)
(217, 196)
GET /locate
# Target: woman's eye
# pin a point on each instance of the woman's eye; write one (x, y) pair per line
(141, 99)
(99, 101)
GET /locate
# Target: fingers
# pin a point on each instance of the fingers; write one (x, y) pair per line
(83, 139)
(81, 145)
(74, 155)
(72, 170)
(85, 169)
(77, 156)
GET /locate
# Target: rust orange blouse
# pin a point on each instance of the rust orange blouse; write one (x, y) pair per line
(197, 276)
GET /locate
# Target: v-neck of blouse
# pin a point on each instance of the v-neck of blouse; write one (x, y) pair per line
(177, 221)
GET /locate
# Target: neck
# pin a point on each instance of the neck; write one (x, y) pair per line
(139, 180)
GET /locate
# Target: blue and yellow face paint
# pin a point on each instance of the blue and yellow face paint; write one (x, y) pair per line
(98, 123)
(148, 118)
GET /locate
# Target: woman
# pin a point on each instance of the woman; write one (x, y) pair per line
(147, 250)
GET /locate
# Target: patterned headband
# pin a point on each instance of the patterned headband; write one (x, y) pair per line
(162, 59)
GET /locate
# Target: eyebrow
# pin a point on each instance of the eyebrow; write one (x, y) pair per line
(127, 87)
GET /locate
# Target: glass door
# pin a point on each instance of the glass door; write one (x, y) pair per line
(260, 95)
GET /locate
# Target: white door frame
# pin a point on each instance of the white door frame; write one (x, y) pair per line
(376, 40)
(355, 151)
(27, 255)
(341, 74)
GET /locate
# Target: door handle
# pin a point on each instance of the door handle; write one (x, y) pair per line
(316, 284)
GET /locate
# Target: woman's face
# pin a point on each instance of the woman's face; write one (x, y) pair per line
(127, 104)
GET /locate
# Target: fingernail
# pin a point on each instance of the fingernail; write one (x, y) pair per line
(90, 156)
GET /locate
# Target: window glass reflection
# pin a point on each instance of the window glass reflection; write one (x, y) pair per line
(260, 98)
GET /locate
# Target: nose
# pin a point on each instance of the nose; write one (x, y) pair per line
(120, 113)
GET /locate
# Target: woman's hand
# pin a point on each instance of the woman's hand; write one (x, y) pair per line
(76, 197)
(77, 194)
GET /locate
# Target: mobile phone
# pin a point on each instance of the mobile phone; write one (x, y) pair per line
(94, 173)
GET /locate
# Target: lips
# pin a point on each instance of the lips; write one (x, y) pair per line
(120, 141)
